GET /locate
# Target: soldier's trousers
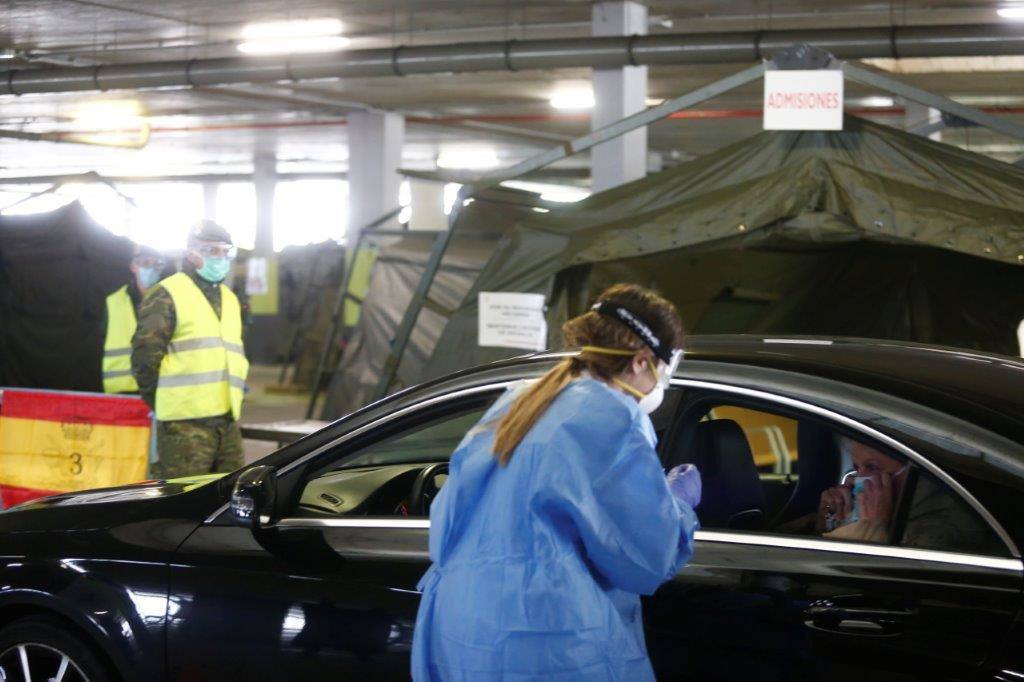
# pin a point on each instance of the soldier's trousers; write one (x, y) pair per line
(197, 446)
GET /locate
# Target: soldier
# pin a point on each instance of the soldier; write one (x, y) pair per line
(146, 266)
(188, 360)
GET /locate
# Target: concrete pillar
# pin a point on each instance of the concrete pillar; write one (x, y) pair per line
(918, 115)
(619, 93)
(427, 205)
(374, 156)
(210, 200)
(264, 179)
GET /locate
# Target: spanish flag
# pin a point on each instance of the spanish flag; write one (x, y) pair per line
(53, 442)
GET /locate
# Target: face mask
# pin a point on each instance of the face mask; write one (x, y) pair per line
(649, 402)
(858, 488)
(652, 401)
(148, 277)
(215, 269)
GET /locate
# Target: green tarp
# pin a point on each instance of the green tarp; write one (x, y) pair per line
(869, 231)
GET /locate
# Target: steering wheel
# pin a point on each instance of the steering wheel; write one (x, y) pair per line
(425, 488)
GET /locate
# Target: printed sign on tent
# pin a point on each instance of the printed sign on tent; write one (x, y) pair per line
(512, 320)
(803, 100)
(256, 277)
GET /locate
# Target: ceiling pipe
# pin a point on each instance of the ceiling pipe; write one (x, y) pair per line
(518, 55)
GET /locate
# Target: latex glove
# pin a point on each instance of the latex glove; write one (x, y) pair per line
(684, 483)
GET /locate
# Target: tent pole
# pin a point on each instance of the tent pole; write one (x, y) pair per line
(972, 114)
(338, 313)
(412, 312)
(623, 126)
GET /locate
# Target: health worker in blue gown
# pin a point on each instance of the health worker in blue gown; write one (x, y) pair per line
(557, 515)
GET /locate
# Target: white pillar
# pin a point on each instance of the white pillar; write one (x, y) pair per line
(427, 205)
(264, 180)
(917, 115)
(210, 200)
(617, 94)
(374, 156)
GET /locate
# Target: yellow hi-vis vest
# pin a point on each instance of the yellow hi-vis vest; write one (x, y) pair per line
(203, 373)
(117, 349)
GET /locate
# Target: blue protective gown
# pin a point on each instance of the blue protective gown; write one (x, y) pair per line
(538, 566)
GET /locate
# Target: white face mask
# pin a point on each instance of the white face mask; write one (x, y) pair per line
(652, 401)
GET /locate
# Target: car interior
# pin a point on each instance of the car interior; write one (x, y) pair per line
(762, 470)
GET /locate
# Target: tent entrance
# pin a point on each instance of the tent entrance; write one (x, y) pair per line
(862, 289)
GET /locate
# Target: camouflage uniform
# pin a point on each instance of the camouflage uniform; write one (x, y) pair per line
(188, 446)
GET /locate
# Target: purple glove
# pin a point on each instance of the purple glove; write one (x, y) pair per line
(684, 483)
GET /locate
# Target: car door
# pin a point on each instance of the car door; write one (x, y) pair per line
(760, 602)
(318, 596)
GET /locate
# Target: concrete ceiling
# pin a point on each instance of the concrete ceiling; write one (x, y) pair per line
(220, 129)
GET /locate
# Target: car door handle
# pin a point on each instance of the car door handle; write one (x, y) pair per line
(861, 621)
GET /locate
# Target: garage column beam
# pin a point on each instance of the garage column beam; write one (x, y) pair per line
(264, 180)
(618, 93)
(427, 205)
(209, 200)
(374, 156)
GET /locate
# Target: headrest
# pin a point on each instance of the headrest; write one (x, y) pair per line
(731, 485)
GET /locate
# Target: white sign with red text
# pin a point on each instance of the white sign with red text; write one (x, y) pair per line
(803, 100)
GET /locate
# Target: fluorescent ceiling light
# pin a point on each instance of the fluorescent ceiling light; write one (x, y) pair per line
(1011, 12)
(874, 102)
(294, 45)
(573, 98)
(108, 113)
(292, 29)
(913, 65)
(654, 101)
(287, 37)
(468, 158)
(564, 194)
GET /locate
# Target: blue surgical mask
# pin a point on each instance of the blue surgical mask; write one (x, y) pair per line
(215, 269)
(148, 276)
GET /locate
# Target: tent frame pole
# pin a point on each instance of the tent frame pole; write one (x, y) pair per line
(944, 104)
(337, 316)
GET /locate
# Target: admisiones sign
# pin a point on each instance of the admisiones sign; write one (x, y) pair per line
(803, 100)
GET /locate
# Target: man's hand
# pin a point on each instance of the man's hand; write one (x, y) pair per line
(876, 499)
(835, 504)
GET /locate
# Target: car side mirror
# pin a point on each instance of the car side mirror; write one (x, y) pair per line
(254, 496)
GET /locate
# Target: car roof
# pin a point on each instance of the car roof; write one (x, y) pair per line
(984, 388)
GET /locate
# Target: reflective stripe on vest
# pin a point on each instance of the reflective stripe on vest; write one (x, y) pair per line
(203, 373)
(117, 348)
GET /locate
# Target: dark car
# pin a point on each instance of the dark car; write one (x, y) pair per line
(305, 566)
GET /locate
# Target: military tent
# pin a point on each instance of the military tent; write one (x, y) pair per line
(56, 270)
(869, 231)
(397, 271)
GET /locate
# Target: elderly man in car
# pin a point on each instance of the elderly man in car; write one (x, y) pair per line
(861, 508)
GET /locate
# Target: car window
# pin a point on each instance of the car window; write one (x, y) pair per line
(764, 471)
(379, 478)
(940, 519)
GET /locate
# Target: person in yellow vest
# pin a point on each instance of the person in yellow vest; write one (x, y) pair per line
(189, 362)
(146, 268)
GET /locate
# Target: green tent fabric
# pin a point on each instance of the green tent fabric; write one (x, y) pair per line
(869, 231)
(397, 271)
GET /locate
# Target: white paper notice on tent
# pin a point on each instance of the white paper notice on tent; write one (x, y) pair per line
(803, 100)
(512, 320)
(256, 277)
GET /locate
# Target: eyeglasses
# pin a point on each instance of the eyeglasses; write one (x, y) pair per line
(148, 262)
(216, 250)
(666, 370)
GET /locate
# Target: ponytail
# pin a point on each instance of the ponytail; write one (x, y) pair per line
(529, 407)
